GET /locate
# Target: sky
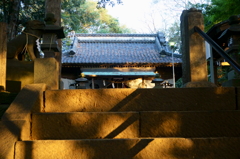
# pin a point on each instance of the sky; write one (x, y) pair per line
(142, 15)
(131, 13)
(138, 15)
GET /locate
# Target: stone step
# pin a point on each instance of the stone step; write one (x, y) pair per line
(85, 125)
(145, 148)
(105, 100)
(190, 124)
(94, 125)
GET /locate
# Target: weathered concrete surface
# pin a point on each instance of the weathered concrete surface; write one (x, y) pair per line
(85, 125)
(3, 55)
(151, 148)
(178, 99)
(30, 99)
(11, 132)
(46, 70)
(190, 124)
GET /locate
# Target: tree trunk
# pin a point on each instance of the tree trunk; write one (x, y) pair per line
(13, 19)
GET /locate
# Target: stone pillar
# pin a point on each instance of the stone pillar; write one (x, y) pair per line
(194, 65)
(46, 71)
(3, 55)
(54, 6)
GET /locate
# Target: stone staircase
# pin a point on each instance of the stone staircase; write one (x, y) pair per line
(184, 123)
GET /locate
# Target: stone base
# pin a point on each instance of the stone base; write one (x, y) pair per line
(19, 74)
(41, 70)
(199, 84)
(46, 70)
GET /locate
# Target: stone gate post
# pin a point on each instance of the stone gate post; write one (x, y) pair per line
(194, 65)
(3, 55)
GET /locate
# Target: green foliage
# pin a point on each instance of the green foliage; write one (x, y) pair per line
(179, 83)
(75, 13)
(217, 11)
(79, 15)
(86, 18)
(206, 10)
(223, 9)
(67, 43)
(5, 10)
(103, 3)
(174, 35)
(31, 10)
(222, 73)
(17, 12)
(108, 24)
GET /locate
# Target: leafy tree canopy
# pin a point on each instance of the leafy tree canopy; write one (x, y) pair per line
(79, 15)
(103, 3)
(86, 18)
(223, 9)
(214, 12)
(217, 11)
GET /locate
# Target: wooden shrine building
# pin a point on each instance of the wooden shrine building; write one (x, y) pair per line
(119, 60)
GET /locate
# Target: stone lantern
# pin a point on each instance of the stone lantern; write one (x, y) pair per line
(166, 84)
(81, 83)
(51, 33)
(157, 80)
(232, 34)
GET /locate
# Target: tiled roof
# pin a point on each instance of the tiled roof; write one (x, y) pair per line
(115, 35)
(119, 49)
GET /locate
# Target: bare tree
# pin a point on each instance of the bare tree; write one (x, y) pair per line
(165, 15)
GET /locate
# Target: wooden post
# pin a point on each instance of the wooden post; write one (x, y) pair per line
(54, 6)
(3, 55)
